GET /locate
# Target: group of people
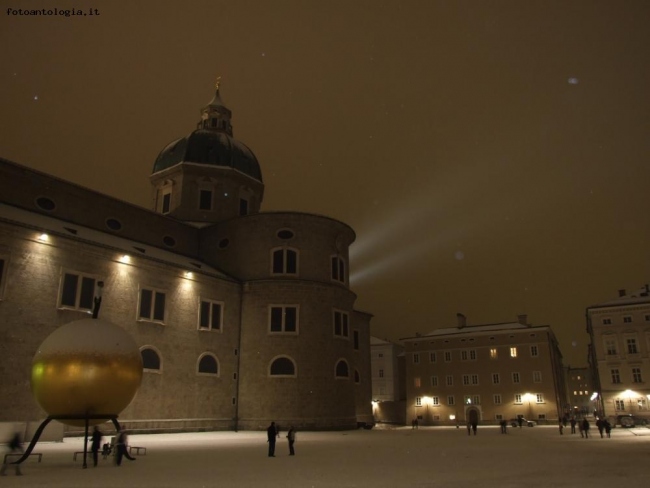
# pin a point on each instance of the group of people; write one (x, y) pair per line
(603, 426)
(273, 432)
(121, 444)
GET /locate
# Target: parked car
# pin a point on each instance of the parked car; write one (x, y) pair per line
(630, 421)
(529, 423)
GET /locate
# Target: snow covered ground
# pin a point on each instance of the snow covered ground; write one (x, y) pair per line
(402, 457)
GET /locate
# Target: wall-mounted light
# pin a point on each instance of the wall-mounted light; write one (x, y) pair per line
(125, 259)
(189, 275)
(43, 238)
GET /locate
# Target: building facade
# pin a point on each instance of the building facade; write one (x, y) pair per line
(485, 373)
(580, 391)
(242, 317)
(619, 355)
(388, 381)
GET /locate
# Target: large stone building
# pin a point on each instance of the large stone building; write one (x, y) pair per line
(486, 373)
(242, 317)
(580, 391)
(619, 354)
(388, 381)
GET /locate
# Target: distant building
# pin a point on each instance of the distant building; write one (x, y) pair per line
(579, 391)
(486, 373)
(243, 317)
(619, 355)
(388, 381)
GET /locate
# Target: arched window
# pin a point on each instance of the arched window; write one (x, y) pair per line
(338, 268)
(282, 366)
(357, 377)
(208, 364)
(284, 261)
(150, 359)
(342, 370)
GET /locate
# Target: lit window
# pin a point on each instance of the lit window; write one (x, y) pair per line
(513, 352)
(283, 366)
(283, 319)
(210, 315)
(285, 261)
(77, 291)
(338, 268)
(208, 365)
(493, 353)
(152, 305)
(341, 324)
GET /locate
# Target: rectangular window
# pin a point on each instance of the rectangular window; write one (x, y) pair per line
(434, 381)
(77, 291)
(450, 400)
(166, 202)
(472, 354)
(515, 378)
(616, 376)
(338, 269)
(465, 379)
(205, 200)
(631, 346)
(381, 373)
(341, 324)
(636, 375)
(449, 380)
(493, 353)
(463, 355)
(417, 383)
(539, 398)
(475, 379)
(447, 356)
(518, 398)
(537, 376)
(355, 336)
(610, 347)
(496, 398)
(210, 315)
(513, 352)
(285, 261)
(534, 351)
(627, 320)
(496, 379)
(619, 405)
(152, 305)
(432, 357)
(283, 318)
(416, 358)
(476, 399)
(607, 321)
(467, 400)
(418, 401)
(243, 206)
(435, 401)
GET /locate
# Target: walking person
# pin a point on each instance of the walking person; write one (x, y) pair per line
(561, 425)
(520, 421)
(573, 425)
(122, 445)
(291, 437)
(600, 425)
(474, 426)
(585, 427)
(580, 428)
(469, 428)
(504, 426)
(608, 428)
(95, 445)
(271, 434)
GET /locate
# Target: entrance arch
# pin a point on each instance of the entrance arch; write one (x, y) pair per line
(473, 415)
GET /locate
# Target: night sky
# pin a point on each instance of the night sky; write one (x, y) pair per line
(492, 156)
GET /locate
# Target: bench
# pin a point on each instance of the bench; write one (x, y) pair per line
(137, 450)
(18, 454)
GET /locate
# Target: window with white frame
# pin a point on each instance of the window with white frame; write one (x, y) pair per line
(515, 378)
(472, 354)
(418, 401)
(607, 321)
(636, 375)
(284, 261)
(151, 306)
(464, 355)
(534, 351)
(341, 324)
(619, 405)
(537, 376)
(496, 398)
(610, 346)
(496, 379)
(518, 398)
(435, 401)
(283, 319)
(432, 357)
(631, 346)
(451, 401)
(210, 315)
(465, 379)
(381, 373)
(447, 356)
(416, 358)
(337, 268)
(539, 398)
(150, 359)
(616, 375)
(208, 365)
(449, 380)
(434, 381)
(77, 291)
(513, 352)
(642, 403)
(282, 366)
(474, 379)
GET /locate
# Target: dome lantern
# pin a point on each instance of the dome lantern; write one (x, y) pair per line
(215, 116)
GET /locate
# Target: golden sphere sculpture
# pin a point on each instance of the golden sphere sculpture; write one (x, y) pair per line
(86, 367)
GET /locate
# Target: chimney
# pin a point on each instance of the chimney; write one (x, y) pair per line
(621, 293)
(522, 319)
(462, 320)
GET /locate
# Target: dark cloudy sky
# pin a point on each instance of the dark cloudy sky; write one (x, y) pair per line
(492, 156)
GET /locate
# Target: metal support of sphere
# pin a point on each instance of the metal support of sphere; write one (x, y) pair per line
(85, 368)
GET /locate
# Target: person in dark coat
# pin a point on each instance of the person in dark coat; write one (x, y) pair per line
(291, 437)
(520, 421)
(474, 426)
(504, 426)
(600, 425)
(96, 444)
(271, 434)
(585, 427)
(573, 425)
(122, 448)
(608, 428)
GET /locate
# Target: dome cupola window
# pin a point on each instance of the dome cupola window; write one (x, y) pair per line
(285, 234)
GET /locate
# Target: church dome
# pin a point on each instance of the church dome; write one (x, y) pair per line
(214, 148)
(212, 144)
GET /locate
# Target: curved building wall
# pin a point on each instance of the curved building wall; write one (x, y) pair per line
(314, 398)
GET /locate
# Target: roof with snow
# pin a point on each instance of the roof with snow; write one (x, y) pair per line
(639, 296)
